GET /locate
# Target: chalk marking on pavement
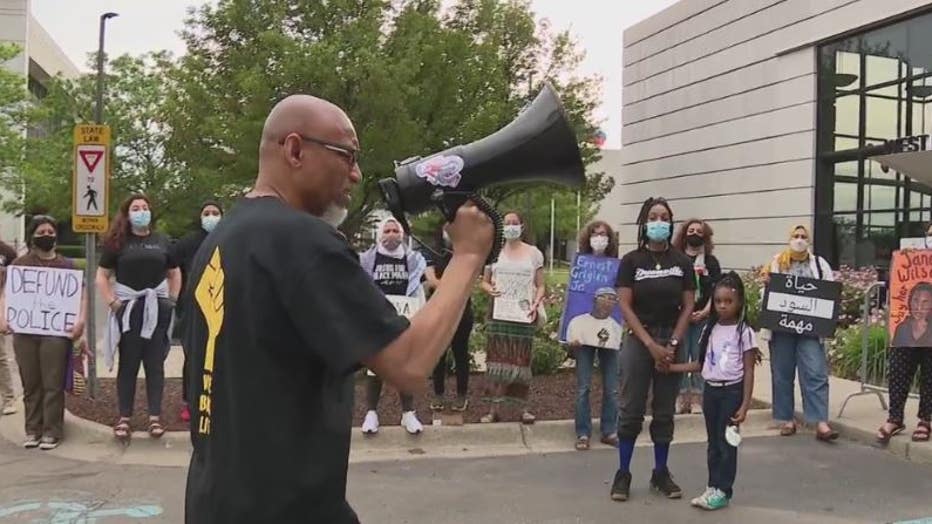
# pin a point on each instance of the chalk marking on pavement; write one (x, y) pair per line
(77, 512)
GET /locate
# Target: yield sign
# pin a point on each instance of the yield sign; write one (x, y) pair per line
(90, 158)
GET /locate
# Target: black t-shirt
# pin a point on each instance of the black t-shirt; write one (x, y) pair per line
(183, 252)
(439, 262)
(713, 271)
(391, 274)
(143, 263)
(272, 390)
(658, 291)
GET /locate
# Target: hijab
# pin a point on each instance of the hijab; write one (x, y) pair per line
(398, 252)
(788, 256)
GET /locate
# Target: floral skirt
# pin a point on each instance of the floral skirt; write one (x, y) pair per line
(508, 360)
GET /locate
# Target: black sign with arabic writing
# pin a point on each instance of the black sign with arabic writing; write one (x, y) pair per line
(801, 306)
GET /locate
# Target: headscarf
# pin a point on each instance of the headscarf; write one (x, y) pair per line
(788, 256)
(398, 252)
(209, 203)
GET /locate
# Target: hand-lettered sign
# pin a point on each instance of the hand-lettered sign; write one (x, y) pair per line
(910, 298)
(42, 300)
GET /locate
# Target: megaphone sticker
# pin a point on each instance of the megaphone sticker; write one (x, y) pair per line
(441, 170)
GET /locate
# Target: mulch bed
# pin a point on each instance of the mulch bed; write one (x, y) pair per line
(552, 397)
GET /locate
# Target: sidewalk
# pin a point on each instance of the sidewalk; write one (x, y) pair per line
(861, 418)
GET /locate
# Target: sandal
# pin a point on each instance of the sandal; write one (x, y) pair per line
(527, 418)
(826, 436)
(582, 443)
(488, 418)
(461, 404)
(436, 404)
(921, 434)
(156, 429)
(122, 430)
(884, 436)
(788, 429)
(610, 440)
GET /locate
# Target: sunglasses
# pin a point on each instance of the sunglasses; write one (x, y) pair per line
(351, 155)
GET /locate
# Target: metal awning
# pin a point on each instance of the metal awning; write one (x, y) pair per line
(914, 164)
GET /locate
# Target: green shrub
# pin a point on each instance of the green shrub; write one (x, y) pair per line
(845, 352)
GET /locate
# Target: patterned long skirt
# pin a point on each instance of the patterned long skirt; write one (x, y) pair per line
(508, 360)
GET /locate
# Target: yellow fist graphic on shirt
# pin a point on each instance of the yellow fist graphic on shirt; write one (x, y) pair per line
(209, 297)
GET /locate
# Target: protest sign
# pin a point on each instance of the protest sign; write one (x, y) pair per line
(516, 284)
(42, 300)
(910, 298)
(588, 274)
(406, 306)
(799, 305)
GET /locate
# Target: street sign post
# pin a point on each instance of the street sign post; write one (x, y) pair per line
(91, 183)
(90, 189)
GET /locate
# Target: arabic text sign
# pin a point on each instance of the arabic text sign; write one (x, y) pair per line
(588, 274)
(802, 306)
(42, 300)
(910, 275)
(516, 284)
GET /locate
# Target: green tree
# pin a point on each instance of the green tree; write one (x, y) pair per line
(414, 78)
(136, 89)
(14, 102)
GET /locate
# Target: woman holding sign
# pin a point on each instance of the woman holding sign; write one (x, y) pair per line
(397, 271)
(516, 284)
(141, 301)
(43, 359)
(657, 296)
(597, 239)
(789, 351)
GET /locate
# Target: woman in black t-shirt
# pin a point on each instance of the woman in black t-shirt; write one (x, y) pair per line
(141, 302)
(658, 285)
(694, 238)
(183, 252)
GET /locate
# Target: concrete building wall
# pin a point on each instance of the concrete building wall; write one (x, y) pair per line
(719, 114)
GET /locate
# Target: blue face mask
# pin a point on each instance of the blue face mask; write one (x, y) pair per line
(209, 222)
(658, 231)
(140, 219)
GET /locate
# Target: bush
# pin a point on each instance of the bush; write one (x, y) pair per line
(753, 292)
(845, 352)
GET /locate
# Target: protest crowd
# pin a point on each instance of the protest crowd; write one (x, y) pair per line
(667, 327)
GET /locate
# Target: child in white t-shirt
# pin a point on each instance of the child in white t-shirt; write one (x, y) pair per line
(727, 355)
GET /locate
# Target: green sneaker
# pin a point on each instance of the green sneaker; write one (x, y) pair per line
(702, 500)
(716, 500)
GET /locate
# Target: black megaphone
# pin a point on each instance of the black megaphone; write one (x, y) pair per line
(537, 146)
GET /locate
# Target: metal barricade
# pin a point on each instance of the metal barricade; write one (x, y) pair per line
(872, 374)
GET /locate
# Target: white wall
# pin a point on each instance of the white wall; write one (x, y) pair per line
(719, 118)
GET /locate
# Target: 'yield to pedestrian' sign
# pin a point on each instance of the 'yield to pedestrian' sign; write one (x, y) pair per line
(91, 181)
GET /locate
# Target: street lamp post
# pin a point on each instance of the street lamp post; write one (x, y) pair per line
(90, 241)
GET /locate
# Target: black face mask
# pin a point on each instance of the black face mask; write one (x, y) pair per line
(45, 243)
(694, 240)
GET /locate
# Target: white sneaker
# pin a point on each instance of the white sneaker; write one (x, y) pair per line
(703, 499)
(48, 443)
(410, 422)
(370, 426)
(31, 442)
(9, 409)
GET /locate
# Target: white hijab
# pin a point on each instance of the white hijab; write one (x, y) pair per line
(398, 252)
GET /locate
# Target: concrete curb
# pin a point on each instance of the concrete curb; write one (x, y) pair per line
(93, 442)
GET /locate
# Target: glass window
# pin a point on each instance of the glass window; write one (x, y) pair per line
(849, 168)
(884, 48)
(846, 115)
(880, 197)
(881, 118)
(846, 196)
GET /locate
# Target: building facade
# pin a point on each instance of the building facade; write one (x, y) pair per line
(759, 115)
(41, 59)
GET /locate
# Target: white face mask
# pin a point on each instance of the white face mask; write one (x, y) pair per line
(511, 232)
(799, 244)
(334, 215)
(209, 222)
(598, 243)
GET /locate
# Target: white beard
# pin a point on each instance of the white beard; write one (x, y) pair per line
(334, 215)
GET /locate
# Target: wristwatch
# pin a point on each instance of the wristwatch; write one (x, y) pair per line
(674, 342)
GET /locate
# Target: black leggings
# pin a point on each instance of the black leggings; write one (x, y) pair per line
(374, 392)
(904, 362)
(150, 353)
(460, 347)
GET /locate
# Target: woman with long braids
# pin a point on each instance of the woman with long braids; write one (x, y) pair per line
(657, 296)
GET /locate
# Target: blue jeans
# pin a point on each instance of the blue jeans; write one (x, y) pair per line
(692, 381)
(719, 404)
(608, 363)
(787, 352)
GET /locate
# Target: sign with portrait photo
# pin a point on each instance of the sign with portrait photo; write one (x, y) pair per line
(910, 298)
(801, 306)
(516, 285)
(587, 275)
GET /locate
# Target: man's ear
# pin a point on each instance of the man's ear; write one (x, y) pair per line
(294, 153)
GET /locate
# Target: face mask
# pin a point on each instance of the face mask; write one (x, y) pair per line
(658, 231)
(598, 243)
(511, 232)
(140, 219)
(391, 243)
(799, 244)
(694, 240)
(45, 243)
(209, 222)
